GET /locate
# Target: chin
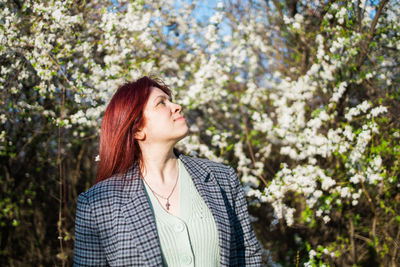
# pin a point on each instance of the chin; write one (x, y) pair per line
(184, 133)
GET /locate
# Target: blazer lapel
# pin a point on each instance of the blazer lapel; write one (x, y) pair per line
(210, 191)
(140, 219)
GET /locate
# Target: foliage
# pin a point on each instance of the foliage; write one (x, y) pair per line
(299, 96)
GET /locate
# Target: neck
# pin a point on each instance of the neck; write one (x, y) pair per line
(159, 162)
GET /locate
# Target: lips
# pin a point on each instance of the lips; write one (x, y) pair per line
(180, 117)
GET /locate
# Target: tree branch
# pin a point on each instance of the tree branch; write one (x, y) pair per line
(364, 46)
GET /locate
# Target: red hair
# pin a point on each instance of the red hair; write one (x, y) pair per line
(122, 119)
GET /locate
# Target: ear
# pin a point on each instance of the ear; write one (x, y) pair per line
(140, 135)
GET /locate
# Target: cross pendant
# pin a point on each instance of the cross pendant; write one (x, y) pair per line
(167, 204)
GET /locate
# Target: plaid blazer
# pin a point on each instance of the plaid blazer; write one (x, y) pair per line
(115, 226)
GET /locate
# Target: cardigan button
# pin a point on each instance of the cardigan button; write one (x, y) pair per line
(179, 227)
(186, 259)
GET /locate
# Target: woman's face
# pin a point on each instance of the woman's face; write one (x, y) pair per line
(163, 121)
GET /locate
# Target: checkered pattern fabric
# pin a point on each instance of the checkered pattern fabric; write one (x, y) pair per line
(115, 226)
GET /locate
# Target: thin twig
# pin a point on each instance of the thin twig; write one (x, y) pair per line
(28, 142)
(376, 217)
(60, 216)
(366, 239)
(62, 72)
(352, 243)
(364, 46)
(396, 248)
(246, 130)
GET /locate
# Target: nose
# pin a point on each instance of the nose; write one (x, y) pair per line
(176, 108)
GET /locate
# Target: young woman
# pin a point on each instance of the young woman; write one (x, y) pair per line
(151, 205)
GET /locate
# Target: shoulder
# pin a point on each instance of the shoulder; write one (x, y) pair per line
(220, 171)
(104, 191)
(211, 165)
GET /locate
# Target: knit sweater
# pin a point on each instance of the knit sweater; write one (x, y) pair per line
(191, 238)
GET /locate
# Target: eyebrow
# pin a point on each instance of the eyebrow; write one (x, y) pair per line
(162, 96)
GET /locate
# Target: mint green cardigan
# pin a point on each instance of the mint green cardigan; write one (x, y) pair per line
(191, 239)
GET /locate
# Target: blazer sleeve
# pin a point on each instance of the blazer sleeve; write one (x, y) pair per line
(252, 255)
(88, 250)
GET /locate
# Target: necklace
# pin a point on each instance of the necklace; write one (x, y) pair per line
(167, 205)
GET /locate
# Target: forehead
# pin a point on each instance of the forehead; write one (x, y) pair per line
(156, 92)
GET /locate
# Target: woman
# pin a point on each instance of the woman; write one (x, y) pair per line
(152, 206)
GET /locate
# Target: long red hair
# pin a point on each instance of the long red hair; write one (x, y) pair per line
(121, 121)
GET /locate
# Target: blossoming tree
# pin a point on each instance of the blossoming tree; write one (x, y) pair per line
(299, 96)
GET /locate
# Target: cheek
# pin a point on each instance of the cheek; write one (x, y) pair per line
(156, 121)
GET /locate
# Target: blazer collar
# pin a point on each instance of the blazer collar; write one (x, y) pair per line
(140, 219)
